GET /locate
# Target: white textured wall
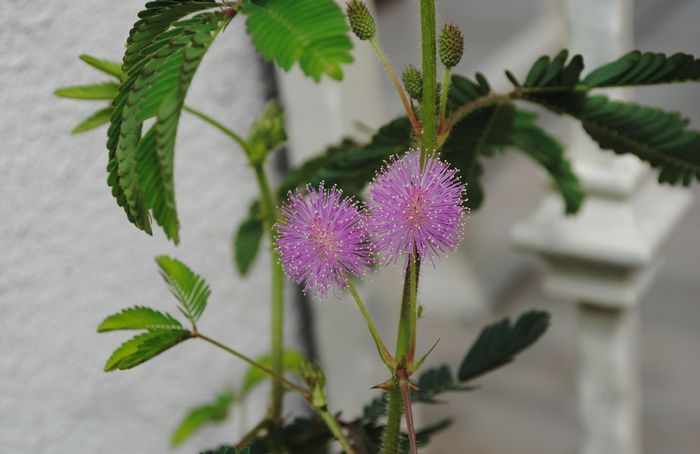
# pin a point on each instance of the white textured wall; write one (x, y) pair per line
(68, 257)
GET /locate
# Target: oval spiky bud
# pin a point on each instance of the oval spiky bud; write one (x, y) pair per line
(361, 20)
(413, 81)
(451, 45)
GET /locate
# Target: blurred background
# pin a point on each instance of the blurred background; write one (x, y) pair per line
(69, 257)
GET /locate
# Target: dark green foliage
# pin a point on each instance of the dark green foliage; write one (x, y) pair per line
(493, 129)
(311, 32)
(436, 381)
(351, 166)
(163, 52)
(644, 68)
(143, 347)
(190, 289)
(660, 138)
(246, 242)
(546, 151)
(139, 317)
(211, 413)
(499, 343)
(361, 20)
(228, 450)
(557, 73)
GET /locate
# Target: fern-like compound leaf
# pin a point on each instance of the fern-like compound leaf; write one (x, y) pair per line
(190, 289)
(163, 52)
(644, 68)
(310, 32)
(143, 347)
(139, 317)
(660, 138)
(499, 343)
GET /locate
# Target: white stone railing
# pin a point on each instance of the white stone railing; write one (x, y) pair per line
(605, 258)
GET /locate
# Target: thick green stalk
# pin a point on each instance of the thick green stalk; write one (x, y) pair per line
(392, 432)
(429, 46)
(277, 314)
(406, 338)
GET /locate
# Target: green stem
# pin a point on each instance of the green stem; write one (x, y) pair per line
(277, 314)
(399, 88)
(392, 432)
(443, 98)
(429, 45)
(336, 430)
(381, 346)
(274, 375)
(206, 118)
(406, 338)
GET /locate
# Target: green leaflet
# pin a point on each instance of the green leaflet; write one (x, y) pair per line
(164, 50)
(139, 317)
(100, 91)
(190, 289)
(143, 347)
(95, 120)
(109, 67)
(644, 68)
(310, 32)
(546, 151)
(214, 412)
(246, 242)
(498, 344)
(435, 381)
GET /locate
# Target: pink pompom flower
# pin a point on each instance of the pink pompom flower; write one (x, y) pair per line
(323, 239)
(416, 210)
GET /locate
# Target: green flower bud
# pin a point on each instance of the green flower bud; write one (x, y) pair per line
(451, 45)
(413, 81)
(361, 20)
(267, 132)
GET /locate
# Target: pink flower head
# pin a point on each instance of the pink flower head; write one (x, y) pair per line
(323, 239)
(413, 209)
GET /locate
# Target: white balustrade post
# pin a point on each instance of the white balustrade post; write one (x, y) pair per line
(605, 258)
